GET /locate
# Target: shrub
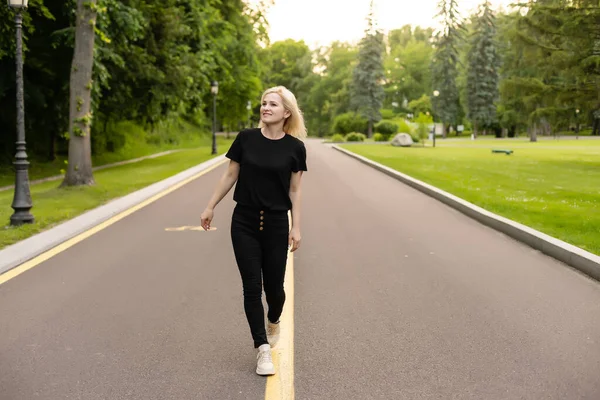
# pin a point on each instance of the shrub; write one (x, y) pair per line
(355, 137)
(378, 137)
(386, 127)
(337, 138)
(386, 113)
(420, 105)
(423, 122)
(349, 122)
(404, 127)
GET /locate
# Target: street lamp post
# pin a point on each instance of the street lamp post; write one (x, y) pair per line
(22, 197)
(577, 124)
(436, 93)
(249, 108)
(214, 89)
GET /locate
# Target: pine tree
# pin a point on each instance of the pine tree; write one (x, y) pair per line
(483, 66)
(446, 100)
(563, 39)
(368, 75)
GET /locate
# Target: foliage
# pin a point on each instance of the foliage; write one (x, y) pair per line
(367, 91)
(337, 138)
(483, 70)
(423, 122)
(421, 105)
(154, 62)
(355, 137)
(349, 122)
(408, 74)
(403, 126)
(386, 127)
(554, 62)
(379, 137)
(386, 113)
(445, 63)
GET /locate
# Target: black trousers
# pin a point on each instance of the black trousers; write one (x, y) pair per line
(260, 244)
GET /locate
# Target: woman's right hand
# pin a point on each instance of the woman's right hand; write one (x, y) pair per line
(206, 218)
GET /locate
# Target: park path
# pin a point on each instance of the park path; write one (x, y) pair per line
(396, 296)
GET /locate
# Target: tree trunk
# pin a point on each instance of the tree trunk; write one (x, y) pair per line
(79, 170)
(546, 127)
(370, 129)
(533, 133)
(475, 130)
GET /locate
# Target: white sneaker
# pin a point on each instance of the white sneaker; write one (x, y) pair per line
(264, 364)
(272, 333)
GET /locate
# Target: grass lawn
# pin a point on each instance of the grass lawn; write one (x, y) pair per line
(52, 205)
(188, 137)
(551, 186)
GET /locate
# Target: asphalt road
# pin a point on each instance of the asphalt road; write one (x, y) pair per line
(396, 297)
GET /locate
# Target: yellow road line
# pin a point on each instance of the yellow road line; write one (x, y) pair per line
(281, 385)
(84, 235)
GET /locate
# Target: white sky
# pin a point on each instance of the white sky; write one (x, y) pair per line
(319, 22)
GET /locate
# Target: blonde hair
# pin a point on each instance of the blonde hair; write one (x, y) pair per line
(294, 124)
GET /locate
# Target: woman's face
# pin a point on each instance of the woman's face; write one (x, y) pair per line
(272, 111)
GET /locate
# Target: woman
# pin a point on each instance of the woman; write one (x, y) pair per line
(267, 162)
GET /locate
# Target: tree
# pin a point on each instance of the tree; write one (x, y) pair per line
(422, 105)
(369, 74)
(423, 122)
(483, 70)
(444, 65)
(409, 77)
(288, 64)
(79, 169)
(552, 65)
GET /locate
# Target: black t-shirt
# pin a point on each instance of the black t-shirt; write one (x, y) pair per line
(266, 167)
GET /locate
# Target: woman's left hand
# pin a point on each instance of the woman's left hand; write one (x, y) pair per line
(294, 239)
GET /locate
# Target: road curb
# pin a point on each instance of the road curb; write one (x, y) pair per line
(18, 253)
(573, 256)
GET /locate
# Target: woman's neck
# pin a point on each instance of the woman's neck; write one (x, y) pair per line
(273, 131)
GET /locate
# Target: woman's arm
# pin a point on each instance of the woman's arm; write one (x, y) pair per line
(225, 184)
(295, 191)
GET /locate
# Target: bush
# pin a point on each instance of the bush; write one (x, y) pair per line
(349, 122)
(423, 121)
(378, 137)
(386, 127)
(337, 138)
(404, 127)
(355, 137)
(420, 105)
(386, 113)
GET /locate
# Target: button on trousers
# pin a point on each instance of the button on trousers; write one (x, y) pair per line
(260, 244)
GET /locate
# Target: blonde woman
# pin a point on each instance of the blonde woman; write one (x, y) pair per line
(267, 163)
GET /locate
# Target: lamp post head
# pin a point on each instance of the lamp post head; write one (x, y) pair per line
(17, 3)
(214, 87)
(577, 111)
(436, 93)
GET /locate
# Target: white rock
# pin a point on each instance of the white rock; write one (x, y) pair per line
(403, 140)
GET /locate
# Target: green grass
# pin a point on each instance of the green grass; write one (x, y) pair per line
(53, 205)
(185, 135)
(551, 186)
